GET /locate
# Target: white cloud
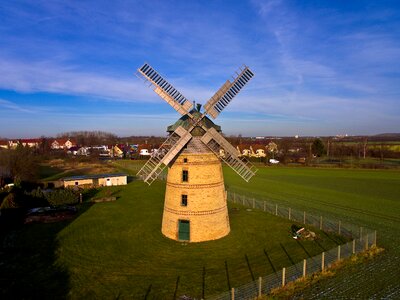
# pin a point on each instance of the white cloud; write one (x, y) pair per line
(47, 76)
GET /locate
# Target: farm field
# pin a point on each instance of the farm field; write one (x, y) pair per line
(370, 198)
(112, 249)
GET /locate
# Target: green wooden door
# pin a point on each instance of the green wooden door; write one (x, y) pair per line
(184, 230)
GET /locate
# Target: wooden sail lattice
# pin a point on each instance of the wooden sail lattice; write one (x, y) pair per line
(180, 137)
(241, 166)
(164, 155)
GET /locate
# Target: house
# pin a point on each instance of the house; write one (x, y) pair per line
(62, 144)
(13, 144)
(32, 143)
(73, 150)
(244, 150)
(117, 151)
(144, 152)
(257, 150)
(96, 180)
(4, 144)
(83, 151)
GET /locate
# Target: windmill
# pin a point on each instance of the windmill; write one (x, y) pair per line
(195, 206)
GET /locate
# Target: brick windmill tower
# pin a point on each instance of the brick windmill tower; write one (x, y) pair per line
(195, 207)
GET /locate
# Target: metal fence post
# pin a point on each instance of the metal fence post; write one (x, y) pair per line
(304, 267)
(340, 227)
(320, 223)
(338, 252)
(361, 232)
(276, 209)
(259, 286)
(283, 276)
(375, 238)
(234, 197)
(304, 217)
(233, 294)
(254, 203)
(366, 241)
(290, 212)
(323, 261)
(354, 246)
(243, 199)
(265, 206)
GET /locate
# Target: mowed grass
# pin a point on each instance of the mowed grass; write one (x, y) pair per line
(367, 195)
(117, 249)
(369, 198)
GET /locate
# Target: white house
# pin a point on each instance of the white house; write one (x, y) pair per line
(62, 144)
(144, 152)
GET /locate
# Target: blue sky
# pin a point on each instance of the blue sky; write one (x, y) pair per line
(322, 67)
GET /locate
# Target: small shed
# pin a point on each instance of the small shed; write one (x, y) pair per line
(96, 180)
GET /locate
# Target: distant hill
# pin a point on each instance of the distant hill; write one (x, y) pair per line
(388, 135)
(385, 137)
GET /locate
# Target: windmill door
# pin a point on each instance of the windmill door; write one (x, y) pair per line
(184, 230)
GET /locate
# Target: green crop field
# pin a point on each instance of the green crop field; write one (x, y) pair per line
(116, 249)
(370, 198)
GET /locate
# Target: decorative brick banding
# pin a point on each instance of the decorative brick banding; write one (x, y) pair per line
(195, 186)
(195, 213)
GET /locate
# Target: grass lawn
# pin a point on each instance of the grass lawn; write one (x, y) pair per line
(117, 250)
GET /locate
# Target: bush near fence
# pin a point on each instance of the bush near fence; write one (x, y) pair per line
(362, 239)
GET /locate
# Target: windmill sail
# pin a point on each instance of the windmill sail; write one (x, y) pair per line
(164, 155)
(180, 137)
(227, 92)
(216, 141)
(165, 90)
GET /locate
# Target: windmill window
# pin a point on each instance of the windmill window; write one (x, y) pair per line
(185, 175)
(185, 160)
(184, 200)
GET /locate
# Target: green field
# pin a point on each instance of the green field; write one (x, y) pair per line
(370, 198)
(116, 249)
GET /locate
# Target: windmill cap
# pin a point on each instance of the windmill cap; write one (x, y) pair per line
(184, 121)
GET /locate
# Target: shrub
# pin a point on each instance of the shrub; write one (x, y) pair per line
(9, 202)
(62, 197)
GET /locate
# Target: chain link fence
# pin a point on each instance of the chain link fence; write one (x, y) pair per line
(362, 239)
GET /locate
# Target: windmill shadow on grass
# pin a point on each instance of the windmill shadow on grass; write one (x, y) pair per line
(28, 255)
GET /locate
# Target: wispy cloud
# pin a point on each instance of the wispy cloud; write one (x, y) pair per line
(47, 76)
(14, 107)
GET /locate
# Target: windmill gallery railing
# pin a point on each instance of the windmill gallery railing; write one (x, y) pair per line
(362, 239)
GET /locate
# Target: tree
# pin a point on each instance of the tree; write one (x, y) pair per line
(285, 146)
(44, 145)
(20, 163)
(318, 147)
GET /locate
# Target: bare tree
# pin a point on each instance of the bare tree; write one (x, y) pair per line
(20, 163)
